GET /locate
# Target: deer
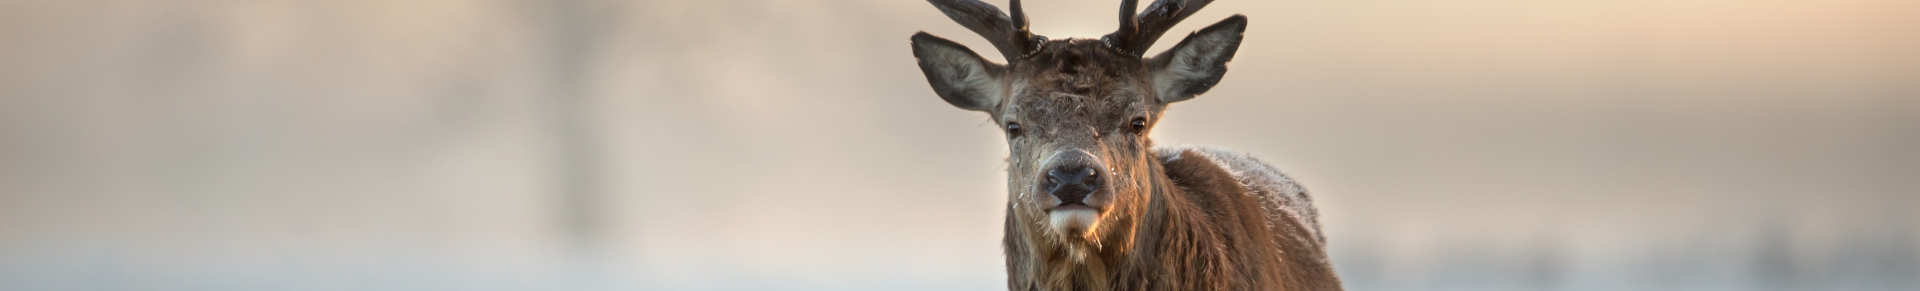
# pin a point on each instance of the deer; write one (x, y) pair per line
(1092, 202)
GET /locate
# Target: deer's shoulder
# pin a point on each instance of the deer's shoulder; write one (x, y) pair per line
(1221, 171)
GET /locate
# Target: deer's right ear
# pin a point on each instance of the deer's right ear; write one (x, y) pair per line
(957, 74)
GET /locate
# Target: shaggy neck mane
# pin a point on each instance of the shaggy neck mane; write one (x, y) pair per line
(1200, 230)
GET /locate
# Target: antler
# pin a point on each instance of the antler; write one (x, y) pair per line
(1137, 33)
(1008, 34)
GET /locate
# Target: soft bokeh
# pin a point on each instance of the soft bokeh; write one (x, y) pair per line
(794, 145)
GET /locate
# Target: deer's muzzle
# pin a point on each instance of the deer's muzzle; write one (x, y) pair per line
(1074, 178)
(1071, 183)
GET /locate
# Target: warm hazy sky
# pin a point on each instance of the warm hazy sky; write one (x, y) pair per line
(751, 145)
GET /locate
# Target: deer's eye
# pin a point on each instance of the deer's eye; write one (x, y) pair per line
(1013, 130)
(1138, 125)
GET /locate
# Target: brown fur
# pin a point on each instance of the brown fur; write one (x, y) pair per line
(1162, 218)
(1182, 221)
(1202, 230)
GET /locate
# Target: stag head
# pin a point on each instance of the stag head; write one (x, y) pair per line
(1076, 111)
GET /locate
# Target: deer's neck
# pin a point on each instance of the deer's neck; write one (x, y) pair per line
(1200, 230)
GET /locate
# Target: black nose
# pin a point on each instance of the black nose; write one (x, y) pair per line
(1071, 183)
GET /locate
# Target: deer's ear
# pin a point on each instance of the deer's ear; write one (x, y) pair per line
(1198, 62)
(957, 74)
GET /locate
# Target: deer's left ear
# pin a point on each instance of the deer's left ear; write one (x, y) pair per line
(1198, 62)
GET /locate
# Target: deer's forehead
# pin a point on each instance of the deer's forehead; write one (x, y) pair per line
(1052, 107)
(1076, 79)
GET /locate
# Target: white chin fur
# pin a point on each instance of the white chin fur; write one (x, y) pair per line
(1072, 222)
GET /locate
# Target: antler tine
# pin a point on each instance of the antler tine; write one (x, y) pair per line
(1137, 33)
(1019, 15)
(1128, 25)
(1008, 34)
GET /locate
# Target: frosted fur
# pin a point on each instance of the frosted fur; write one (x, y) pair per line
(1283, 198)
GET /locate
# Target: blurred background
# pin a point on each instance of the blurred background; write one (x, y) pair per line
(794, 145)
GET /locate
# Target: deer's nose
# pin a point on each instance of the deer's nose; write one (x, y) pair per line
(1071, 183)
